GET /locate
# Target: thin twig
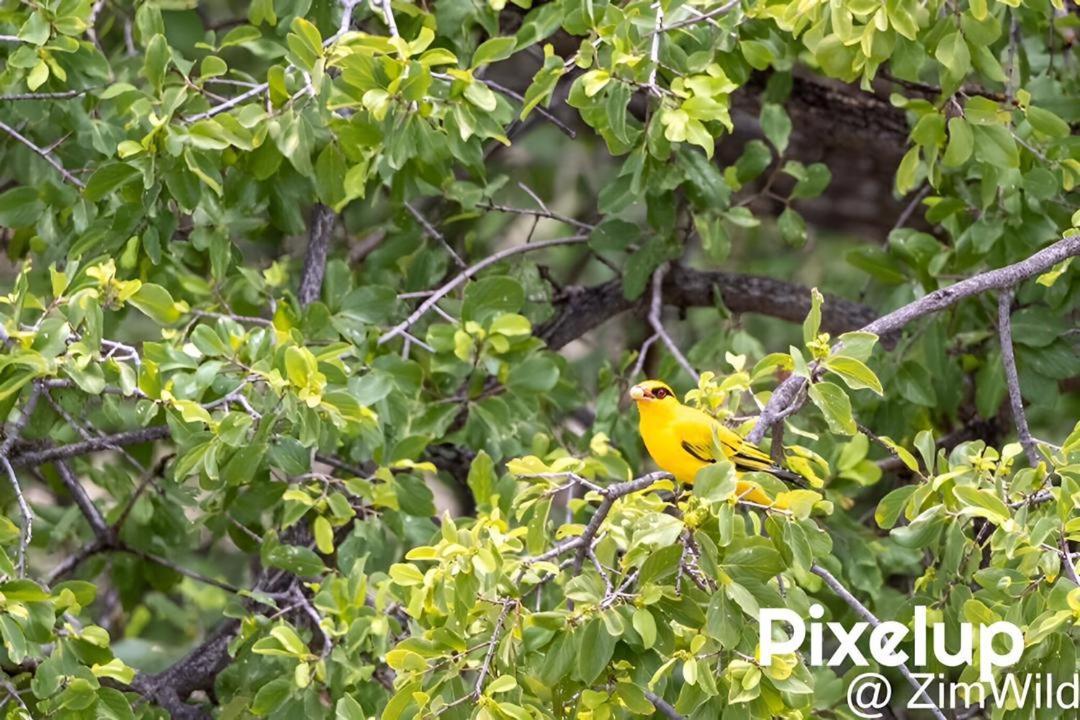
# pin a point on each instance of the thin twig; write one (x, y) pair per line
(700, 17)
(388, 15)
(611, 494)
(106, 442)
(1012, 380)
(655, 319)
(46, 95)
(24, 510)
(82, 500)
(639, 364)
(45, 155)
(316, 619)
(468, 273)
(663, 706)
(863, 612)
(434, 234)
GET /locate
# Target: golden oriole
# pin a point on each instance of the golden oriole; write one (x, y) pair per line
(680, 441)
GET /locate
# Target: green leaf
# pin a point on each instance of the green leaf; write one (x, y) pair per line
(156, 61)
(1047, 122)
(481, 478)
(961, 143)
(156, 302)
(493, 50)
(715, 482)
(641, 265)
(835, 406)
(324, 535)
(812, 323)
(108, 178)
(915, 384)
(492, 296)
(20, 207)
(537, 374)
(271, 696)
(645, 625)
(890, 507)
(481, 96)
(817, 178)
(854, 373)
(36, 29)
(613, 234)
(995, 145)
(982, 503)
(298, 560)
(776, 125)
(792, 228)
(595, 647)
(952, 51)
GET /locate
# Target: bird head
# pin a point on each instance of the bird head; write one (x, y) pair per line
(653, 392)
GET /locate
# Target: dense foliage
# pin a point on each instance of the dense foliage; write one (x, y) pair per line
(313, 409)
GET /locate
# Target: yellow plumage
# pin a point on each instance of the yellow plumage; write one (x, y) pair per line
(680, 440)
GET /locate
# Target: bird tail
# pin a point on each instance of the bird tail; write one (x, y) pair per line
(757, 461)
(787, 476)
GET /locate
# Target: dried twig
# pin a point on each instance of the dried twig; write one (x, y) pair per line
(700, 17)
(468, 273)
(434, 234)
(656, 309)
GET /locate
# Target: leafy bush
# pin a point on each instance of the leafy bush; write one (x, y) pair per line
(314, 409)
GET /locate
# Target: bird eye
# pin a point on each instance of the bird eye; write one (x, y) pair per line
(660, 393)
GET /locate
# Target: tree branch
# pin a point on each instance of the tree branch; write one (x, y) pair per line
(82, 500)
(784, 400)
(1012, 380)
(611, 493)
(467, 273)
(106, 442)
(656, 308)
(663, 706)
(311, 277)
(45, 155)
(584, 309)
(861, 610)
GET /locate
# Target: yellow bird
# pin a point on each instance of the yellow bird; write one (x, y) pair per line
(680, 440)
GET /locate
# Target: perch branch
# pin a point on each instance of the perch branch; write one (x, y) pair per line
(785, 399)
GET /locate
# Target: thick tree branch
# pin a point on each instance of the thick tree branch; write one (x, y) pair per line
(785, 399)
(32, 458)
(583, 309)
(311, 278)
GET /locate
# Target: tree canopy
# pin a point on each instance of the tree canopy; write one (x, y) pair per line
(319, 317)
